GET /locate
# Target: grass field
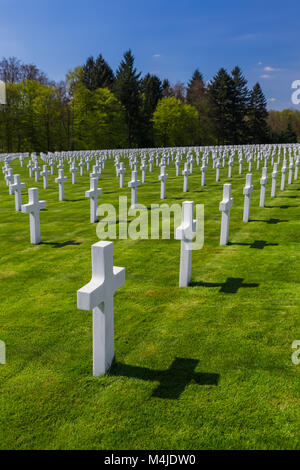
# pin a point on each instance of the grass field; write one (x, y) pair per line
(203, 367)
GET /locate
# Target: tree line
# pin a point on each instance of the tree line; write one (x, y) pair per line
(96, 108)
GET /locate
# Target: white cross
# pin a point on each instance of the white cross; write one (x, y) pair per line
(133, 184)
(30, 166)
(185, 233)
(186, 178)
(81, 165)
(17, 187)
(36, 170)
(144, 168)
(9, 179)
(61, 184)
(52, 164)
(44, 174)
(73, 170)
(283, 172)
(33, 209)
(247, 193)
(225, 207)
(121, 174)
(203, 171)
(163, 177)
(274, 178)
(263, 182)
(98, 296)
(291, 167)
(93, 194)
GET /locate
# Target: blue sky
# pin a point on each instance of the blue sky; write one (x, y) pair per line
(168, 38)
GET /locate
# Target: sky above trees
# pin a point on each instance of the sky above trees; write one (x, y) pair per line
(169, 39)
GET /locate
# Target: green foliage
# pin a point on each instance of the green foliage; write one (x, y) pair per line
(99, 119)
(151, 90)
(175, 123)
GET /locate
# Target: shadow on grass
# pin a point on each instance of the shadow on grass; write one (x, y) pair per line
(231, 286)
(257, 244)
(76, 200)
(278, 207)
(62, 244)
(270, 221)
(172, 381)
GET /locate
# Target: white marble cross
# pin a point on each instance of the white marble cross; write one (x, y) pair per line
(291, 168)
(73, 170)
(283, 173)
(225, 207)
(185, 232)
(81, 166)
(274, 178)
(296, 169)
(9, 180)
(36, 170)
(230, 165)
(203, 171)
(98, 296)
(247, 193)
(133, 184)
(33, 209)
(263, 183)
(217, 166)
(51, 164)
(185, 178)
(121, 174)
(30, 167)
(93, 194)
(163, 178)
(61, 184)
(144, 168)
(45, 174)
(17, 187)
(177, 165)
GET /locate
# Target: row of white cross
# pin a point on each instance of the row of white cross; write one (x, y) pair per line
(98, 294)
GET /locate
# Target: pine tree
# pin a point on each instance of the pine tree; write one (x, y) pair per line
(151, 88)
(221, 94)
(166, 89)
(196, 91)
(240, 106)
(97, 74)
(257, 115)
(127, 90)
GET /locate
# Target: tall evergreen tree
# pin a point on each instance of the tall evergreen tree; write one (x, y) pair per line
(257, 115)
(221, 93)
(240, 106)
(97, 74)
(196, 90)
(127, 90)
(151, 89)
(166, 89)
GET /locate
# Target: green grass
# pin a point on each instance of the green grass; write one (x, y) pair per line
(195, 368)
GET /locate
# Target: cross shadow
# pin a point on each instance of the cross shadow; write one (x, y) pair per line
(278, 207)
(172, 381)
(76, 200)
(62, 244)
(270, 221)
(231, 286)
(258, 244)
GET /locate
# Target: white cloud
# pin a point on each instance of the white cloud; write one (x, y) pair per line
(265, 75)
(272, 100)
(156, 56)
(259, 63)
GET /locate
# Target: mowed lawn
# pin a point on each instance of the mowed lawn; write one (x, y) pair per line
(203, 367)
